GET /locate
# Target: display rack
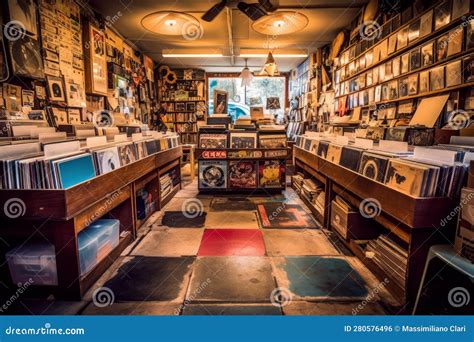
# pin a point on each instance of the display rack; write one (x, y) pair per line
(60, 215)
(258, 155)
(415, 221)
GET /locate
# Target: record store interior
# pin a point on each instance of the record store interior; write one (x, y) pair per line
(253, 157)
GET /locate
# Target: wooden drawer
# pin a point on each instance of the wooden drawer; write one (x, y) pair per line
(351, 224)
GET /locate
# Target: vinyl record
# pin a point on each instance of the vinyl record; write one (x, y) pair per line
(26, 59)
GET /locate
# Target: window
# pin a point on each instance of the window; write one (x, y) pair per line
(242, 98)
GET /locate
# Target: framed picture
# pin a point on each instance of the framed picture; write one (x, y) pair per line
(60, 116)
(385, 92)
(96, 64)
(413, 31)
(56, 89)
(402, 38)
(393, 90)
(220, 101)
(460, 7)
(442, 47)
(24, 11)
(427, 54)
(455, 40)
(76, 96)
(426, 24)
(437, 78)
(470, 35)
(388, 71)
(28, 98)
(403, 86)
(413, 84)
(468, 67)
(453, 74)
(405, 63)
(424, 82)
(74, 116)
(12, 96)
(415, 59)
(392, 44)
(442, 14)
(396, 67)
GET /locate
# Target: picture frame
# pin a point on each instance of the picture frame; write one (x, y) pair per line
(403, 86)
(402, 38)
(55, 88)
(470, 35)
(455, 40)
(427, 57)
(426, 24)
(405, 63)
(221, 99)
(415, 59)
(180, 107)
(442, 14)
(413, 84)
(424, 82)
(190, 106)
(75, 95)
(28, 98)
(442, 47)
(437, 78)
(459, 8)
(396, 66)
(96, 64)
(468, 69)
(413, 31)
(25, 14)
(453, 74)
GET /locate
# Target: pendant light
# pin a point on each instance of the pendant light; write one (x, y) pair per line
(270, 68)
(246, 76)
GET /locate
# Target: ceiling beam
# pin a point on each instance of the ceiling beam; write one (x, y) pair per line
(230, 35)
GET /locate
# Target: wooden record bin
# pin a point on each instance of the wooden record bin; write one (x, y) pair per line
(414, 221)
(60, 215)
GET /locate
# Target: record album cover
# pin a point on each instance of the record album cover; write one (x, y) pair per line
(272, 141)
(243, 140)
(212, 174)
(271, 174)
(334, 153)
(75, 170)
(26, 58)
(406, 177)
(210, 141)
(107, 160)
(242, 174)
(350, 158)
(373, 166)
(127, 154)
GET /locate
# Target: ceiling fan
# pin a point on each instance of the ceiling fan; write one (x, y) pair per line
(254, 10)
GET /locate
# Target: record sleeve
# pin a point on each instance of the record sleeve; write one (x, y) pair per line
(350, 158)
(242, 174)
(243, 140)
(271, 174)
(334, 153)
(210, 141)
(212, 174)
(75, 170)
(272, 141)
(107, 160)
(406, 177)
(127, 153)
(373, 166)
(26, 58)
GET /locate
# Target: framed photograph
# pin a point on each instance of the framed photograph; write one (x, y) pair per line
(74, 116)
(470, 35)
(426, 24)
(413, 31)
(12, 97)
(402, 38)
(453, 74)
(24, 11)
(442, 47)
(388, 71)
(60, 116)
(56, 89)
(468, 68)
(385, 92)
(378, 93)
(375, 75)
(455, 40)
(76, 96)
(369, 79)
(405, 63)
(424, 81)
(220, 101)
(413, 84)
(460, 7)
(415, 59)
(28, 98)
(96, 64)
(442, 14)
(396, 67)
(392, 44)
(427, 54)
(403, 86)
(393, 90)
(437, 78)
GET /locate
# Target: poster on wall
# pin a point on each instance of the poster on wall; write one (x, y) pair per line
(212, 174)
(97, 65)
(24, 11)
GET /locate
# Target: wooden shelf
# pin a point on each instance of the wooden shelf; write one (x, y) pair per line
(414, 221)
(60, 215)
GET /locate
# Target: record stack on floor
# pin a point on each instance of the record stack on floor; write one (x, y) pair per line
(168, 182)
(297, 181)
(390, 257)
(310, 190)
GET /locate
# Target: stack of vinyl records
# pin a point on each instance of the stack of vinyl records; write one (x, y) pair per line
(166, 185)
(298, 180)
(311, 191)
(390, 257)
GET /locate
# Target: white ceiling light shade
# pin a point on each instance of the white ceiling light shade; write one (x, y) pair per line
(246, 76)
(170, 23)
(277, 53)
(191, 53)
(280, 23)
(270, 68)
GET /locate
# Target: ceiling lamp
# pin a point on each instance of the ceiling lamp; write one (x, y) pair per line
(170, 23)
(280, 23)
(246, 76)
(270, 68)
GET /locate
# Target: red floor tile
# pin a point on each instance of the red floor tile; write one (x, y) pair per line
(227, 242)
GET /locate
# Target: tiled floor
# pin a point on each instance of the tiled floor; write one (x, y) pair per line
(223, 262)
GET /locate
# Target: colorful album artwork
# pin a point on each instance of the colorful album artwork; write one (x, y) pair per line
(107, 160)
(243, 174)
(271, 174)
(212, 174)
